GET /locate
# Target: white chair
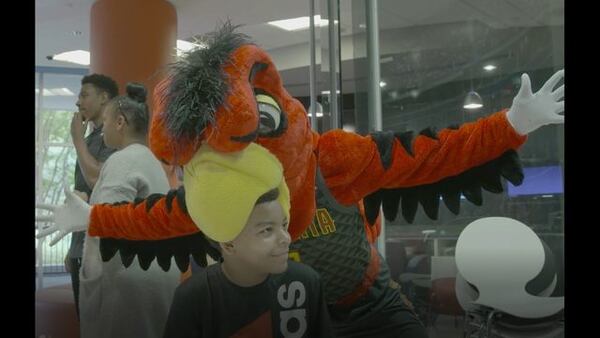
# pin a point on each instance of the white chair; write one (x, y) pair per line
(505, 276)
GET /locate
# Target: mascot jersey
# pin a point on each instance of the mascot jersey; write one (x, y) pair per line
(229, 95)
(336, 235)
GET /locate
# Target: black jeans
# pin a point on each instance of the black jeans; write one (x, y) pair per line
(75, 265)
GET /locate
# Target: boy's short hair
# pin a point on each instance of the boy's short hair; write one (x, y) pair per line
(269, 196)
(103, 83)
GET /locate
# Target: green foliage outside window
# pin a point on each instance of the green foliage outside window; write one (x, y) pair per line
(55, 163)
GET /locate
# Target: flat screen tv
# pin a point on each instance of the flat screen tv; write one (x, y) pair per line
(543, 180)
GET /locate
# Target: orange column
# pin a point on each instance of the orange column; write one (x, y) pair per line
(133, 40)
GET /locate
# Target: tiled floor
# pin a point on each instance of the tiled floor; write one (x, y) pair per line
(54, 279)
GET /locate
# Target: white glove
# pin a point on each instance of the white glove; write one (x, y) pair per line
(530, 111)
(72, 216)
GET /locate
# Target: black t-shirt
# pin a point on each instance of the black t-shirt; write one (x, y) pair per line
(99, 150)
(290, 304)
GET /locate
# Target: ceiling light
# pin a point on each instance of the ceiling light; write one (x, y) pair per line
(349, 128)
(327, 92)
(319, 109)
(55, 92)
(62, 92)
(45, 92)
(81, 57)
(489, 68)
(382, 84)
(300, 23)
(362, 25)
(186, 46)
(473, 101)
(386, 59)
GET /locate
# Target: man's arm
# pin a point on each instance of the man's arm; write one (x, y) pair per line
(90, 167)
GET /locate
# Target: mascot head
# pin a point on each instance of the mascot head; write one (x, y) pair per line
(228, 95)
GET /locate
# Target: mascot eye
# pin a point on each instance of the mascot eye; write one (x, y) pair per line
(270, 114)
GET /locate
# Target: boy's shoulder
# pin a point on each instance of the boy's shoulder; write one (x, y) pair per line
(198, 282)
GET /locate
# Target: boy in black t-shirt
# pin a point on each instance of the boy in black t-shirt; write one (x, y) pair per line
(241, 201)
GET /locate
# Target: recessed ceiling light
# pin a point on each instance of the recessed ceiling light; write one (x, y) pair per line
(81, 57)
(186, 46)
(77, 33)
(382, 84)
(300, 23)
(489, 68)
(62, 91)
(55, 92)
(362, 25)
(386, 59)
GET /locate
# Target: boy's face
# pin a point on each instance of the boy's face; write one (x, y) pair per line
(264, 243)
(91, 101)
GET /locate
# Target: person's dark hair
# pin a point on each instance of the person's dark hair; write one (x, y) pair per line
(102, 83)
(269, 196)
(133, 107)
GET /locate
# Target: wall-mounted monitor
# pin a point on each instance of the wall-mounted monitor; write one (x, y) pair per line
(543, 180)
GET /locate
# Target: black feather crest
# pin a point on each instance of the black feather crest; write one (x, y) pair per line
(198, 84)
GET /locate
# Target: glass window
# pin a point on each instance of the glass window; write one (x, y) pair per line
(56, 95)
(432, 54)
(288, 46)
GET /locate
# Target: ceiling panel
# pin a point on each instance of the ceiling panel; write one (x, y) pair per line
(431, 23)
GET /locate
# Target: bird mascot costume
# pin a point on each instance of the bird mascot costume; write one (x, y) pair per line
(229, 95)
